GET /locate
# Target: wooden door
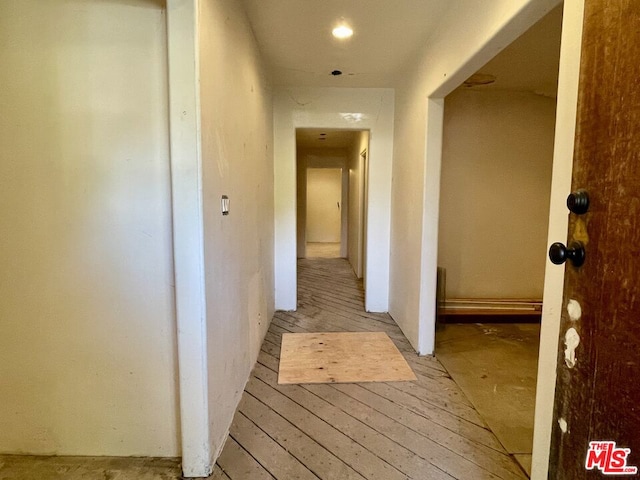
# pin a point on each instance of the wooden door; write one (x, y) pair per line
(598, 391)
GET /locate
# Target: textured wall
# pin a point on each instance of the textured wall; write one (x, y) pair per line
(87, 316)
(494, 198)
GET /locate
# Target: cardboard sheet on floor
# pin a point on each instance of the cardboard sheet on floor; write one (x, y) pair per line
(344, 357)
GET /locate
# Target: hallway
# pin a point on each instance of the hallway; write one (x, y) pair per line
(421, 430)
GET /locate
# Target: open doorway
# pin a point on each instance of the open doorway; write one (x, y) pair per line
(331, 194)
(494, 203)
(324, 214)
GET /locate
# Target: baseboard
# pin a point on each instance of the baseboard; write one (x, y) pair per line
(490, 310)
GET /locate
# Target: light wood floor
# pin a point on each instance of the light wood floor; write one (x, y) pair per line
(322, 250)
(425, 429)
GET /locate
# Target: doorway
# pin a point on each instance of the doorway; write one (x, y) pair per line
(494, 204)
(324, 213)
(331, 194)
(370, 110)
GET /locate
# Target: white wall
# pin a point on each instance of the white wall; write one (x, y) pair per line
(358, 109)
(467, 37)
(356, 171)
(188, 241)
(494, 194)
(87, 336)
(324, 195)
(237, 160)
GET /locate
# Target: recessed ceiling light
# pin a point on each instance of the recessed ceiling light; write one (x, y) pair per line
(342, 31)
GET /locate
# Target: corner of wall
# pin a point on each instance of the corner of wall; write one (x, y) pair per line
(188, 236)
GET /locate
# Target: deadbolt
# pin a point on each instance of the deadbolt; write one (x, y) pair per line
(559, 254)
(578, 202)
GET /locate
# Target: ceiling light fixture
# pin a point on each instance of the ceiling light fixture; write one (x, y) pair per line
(478, 79)
(353, 117)
(342, 31)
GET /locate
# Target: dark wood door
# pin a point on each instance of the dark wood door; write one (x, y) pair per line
(598, 391)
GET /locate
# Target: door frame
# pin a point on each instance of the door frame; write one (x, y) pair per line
(334, 108)
(558, 220)
(341, 211)
(566, 113)
(303, 158)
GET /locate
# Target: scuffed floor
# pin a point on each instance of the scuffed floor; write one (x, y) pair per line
(495, 365)
(424, 429)
(17, 467)
(323, 250)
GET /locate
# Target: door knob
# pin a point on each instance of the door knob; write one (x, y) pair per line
(559, 254)
(578, 202)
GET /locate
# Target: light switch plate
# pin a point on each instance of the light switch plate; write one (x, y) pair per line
(225, 205)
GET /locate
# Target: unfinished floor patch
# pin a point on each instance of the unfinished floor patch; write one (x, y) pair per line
(345, 357)
(496, 366)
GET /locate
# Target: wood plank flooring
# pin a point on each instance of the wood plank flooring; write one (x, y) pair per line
(425, 429)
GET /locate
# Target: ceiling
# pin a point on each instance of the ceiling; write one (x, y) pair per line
(311, 138)
(294, 37)
(531, 62)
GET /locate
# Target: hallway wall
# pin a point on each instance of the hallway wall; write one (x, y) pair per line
(497, 155)
(467, 37)
(87, 316)
(356, 223)
(237, 161)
